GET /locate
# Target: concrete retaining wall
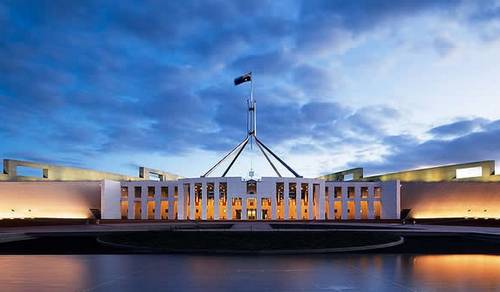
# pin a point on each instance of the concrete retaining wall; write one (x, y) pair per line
(49, 199)
(451, 199)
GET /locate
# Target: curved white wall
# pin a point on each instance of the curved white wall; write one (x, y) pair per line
(451, 199)
(49, 199)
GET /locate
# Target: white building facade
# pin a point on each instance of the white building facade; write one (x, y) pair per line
(233, 198)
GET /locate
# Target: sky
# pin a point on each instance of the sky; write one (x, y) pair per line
(383, 85)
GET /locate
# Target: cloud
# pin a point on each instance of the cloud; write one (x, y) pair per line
(266, 63)
(313, 80)
(334, 25)
(458, 128)
(408, 152)
(443, 46)
(85, 79)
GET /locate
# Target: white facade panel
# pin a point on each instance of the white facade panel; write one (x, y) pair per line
(110, 199)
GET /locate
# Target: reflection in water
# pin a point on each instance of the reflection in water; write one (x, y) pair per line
(461, 270)
(27, 273)
(249, 273)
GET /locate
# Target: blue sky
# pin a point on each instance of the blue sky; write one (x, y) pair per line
(386, 85)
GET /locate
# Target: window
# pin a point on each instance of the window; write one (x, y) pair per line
(154, 176)
(197, 193)
(223, 193)
(469, 172)
(210, 191)
(151, 192)
(293, 189)
(348, 177)
(251, 187)
(280, 195)
(364, 192)
(137, 192)
(124, 192)
(164, 192)
(350, 192)
(30, 171)
(338, 192)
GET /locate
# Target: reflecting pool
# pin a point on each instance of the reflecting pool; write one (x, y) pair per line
(365, 272)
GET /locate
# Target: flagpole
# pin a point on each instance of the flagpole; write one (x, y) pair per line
(254, 106)
(252, 103)
(251, 135)
(252, 113)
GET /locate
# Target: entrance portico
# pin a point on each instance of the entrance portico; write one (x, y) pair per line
(270, 198)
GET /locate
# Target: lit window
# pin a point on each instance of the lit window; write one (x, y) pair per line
(469, 172)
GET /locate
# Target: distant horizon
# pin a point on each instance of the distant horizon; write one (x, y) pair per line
(383, 85)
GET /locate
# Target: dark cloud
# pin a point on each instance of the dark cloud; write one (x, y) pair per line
(371, 121)
(458, 128)
(407, 152)
(313, 80)
(85, 78)
(486, 12)
(274, 62)
(326, 24)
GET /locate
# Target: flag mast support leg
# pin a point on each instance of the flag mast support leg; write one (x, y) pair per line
(277, 158)
(224, 158)
(251, 134)
(236, 157)
(268, 159)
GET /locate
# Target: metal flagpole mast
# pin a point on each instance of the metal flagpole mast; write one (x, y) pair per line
(251, 132)
(251, 135)
(251, 115)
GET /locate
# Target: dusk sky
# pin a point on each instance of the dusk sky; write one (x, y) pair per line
(384, 85)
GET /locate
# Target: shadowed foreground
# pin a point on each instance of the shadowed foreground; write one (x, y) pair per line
(248, 241)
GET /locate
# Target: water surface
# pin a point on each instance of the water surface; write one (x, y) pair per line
(367, 272)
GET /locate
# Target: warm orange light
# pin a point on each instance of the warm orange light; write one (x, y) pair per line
(458, 269)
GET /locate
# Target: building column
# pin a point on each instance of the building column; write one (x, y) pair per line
(216, 200)
(191, 202)
(259, 207)
(287, 200)
(144, 202)
(357, 202)
(181, 202)
(274, 203)
(331, 202)
(243, 208)
(371, 200)
(171, 201)
(157, 202)
(204, 200)
(229, 205)
(310, 201)
(322, 210)
(345, 215)
(298, 201)
(131, 202)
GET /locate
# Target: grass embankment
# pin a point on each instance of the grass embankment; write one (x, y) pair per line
(248, 241)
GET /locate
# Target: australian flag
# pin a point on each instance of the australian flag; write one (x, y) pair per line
(243, 78)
